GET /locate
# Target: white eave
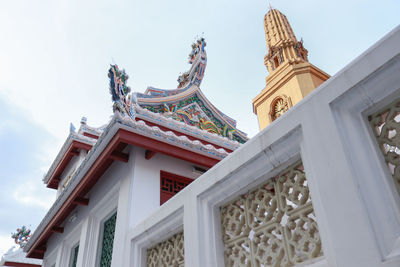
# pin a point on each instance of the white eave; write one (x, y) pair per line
(92, 130)
(71, 137)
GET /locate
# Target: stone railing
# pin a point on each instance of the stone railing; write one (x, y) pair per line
(334, 147)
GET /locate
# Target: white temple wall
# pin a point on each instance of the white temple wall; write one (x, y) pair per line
(141, 196)
(86, 220)
(146, 182)
(132, 189)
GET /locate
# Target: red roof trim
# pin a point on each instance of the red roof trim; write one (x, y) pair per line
(69, 154)
(165, 148)
(18, 264)
(101, 164)
(91, 135)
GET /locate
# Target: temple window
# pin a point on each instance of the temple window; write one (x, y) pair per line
(276, 61)
(171, 184)
(74, 255)
(108, 241)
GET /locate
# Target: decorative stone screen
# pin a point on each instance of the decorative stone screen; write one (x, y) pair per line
(386, 126)
(272, 225)
(169, 253)
(171, 184)
(108, 241)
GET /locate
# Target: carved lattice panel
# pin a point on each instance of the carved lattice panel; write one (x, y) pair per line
(386, 126)
(75, 256)
(171, 184)
(169, 253)
(108, 241)
(272, 225)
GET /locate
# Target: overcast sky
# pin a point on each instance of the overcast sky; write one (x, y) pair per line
(54, 57)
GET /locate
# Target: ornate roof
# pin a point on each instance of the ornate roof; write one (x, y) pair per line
(185, 104)
(122, 122)
(181, 123)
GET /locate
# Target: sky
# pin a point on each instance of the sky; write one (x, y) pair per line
(55, 56)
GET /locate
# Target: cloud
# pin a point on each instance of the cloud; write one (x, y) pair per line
(6, 242)
(29, 194)
(25, 154)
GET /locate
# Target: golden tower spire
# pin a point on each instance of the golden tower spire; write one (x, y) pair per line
(291, 77)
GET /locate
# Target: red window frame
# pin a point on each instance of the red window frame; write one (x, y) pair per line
(171, 184)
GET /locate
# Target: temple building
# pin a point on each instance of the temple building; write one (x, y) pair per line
(291, 77)
(110, 178)
(171, 181)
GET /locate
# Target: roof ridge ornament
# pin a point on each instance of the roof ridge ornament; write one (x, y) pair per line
(198, 60)
(121, 94)
(22, 236)
(71, 128)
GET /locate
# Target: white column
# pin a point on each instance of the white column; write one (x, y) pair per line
(346, 234)
(121, 246)
(61, 259)
(191, 231)
(87, 243)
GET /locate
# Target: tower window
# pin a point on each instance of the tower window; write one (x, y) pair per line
(171, 184)
(276, 61)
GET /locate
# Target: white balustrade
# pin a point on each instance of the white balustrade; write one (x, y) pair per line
(334, 147)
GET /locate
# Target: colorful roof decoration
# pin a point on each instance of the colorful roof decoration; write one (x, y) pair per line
(185, 104)
(22, 236)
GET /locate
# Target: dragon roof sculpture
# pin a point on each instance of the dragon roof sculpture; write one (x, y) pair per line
(22, 236)
(185, 104)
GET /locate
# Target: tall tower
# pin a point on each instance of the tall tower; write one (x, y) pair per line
(291, 77)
